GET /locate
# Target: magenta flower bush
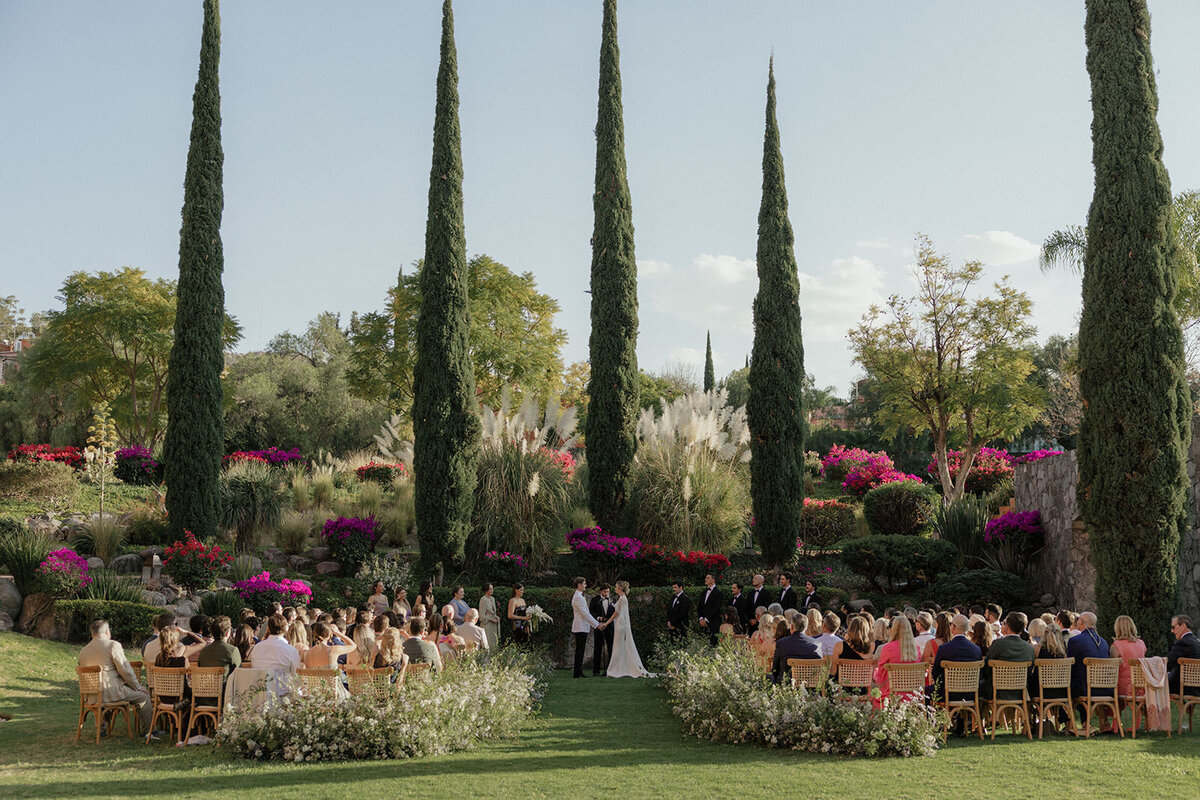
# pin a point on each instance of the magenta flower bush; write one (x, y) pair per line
(275, 456)
(1037, 455)
(63, 573)
(1012, 540)
(840, 460)
(877, 470)
(502, 567)
(136, 465)
(350, 540)
(262, 591)
(990, 468)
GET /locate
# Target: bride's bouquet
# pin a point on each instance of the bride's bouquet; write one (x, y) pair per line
(536, 617)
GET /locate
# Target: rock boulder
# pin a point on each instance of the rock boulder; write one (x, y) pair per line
(10, 598)
(331, 568)
(128, 564)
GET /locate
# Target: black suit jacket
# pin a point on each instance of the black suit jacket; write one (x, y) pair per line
(787, 598)
(761, 597)
(596, 608)
(797, 645)
(713, 610)
(1186, 647)
(742, 604)
(959, 648)
(810, 600)
(679, 611)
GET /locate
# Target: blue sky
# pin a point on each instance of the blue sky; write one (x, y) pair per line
(965, 121)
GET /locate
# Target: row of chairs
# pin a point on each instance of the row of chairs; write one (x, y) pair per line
(1054, 678)
(208, 694)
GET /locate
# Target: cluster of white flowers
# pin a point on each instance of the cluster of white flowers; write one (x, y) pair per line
(474, 699)
(723, 697)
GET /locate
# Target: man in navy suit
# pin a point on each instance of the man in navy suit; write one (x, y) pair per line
(1086, 643)
(959, 648)
(1186, 646)
(797, 645)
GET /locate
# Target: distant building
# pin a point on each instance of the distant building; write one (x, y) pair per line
(835, 416)
(10, 353)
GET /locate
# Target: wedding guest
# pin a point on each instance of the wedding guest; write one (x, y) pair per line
(813, 623)
(1037, 629)
(118, 682)
(957, 648)
(324, 653)
(762, 641)
(419, 649)
(1051, 646)
(173, 655)
(678, 612)
(377, 602)
(902, 649)
(1086, 643)
(418, 610)
(1066, 623)
(940, 635)
(400, 606)
(243, 640)
(380, 625)
(365, 648)
(879, 631)
(220, 653)
(791, 645)
(489, 616)
(1049, 619)
(775, 610)
(297, 637)
(740, 602)
(459, 605)
(425, 596)
(1010, 646)
(1186, 646)
(796, 620)
(450, 644)
(273, 653)
(732, 626)
(434, 632)
(151, 646)
(471, 632)
(829, 640)
(981, 634)
(924, 628)
(391, 651)
(856, 646)
(710, 607)
(517, 615)
(1126, 645)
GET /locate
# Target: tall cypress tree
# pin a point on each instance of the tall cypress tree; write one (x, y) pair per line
(445, 419)
(710, 378)
(775, 410)
(195, 437)
(1137, 408)
(613, 409)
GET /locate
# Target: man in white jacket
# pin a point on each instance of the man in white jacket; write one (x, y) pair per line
(582, 623)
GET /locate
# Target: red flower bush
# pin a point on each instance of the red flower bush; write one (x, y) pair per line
(382, 474)
(192, 564)
(71, 456)
(562, 459)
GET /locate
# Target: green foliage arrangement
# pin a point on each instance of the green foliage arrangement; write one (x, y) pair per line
(898, 560)
(251, 501)
(109, 586)
(39, 481)
(904, 508)
(1137, 407)
(775, 409)
(21, 551)
(222, 602)
(962, 523)
(103, 537)
(129, 622)
(979, 587)
(824, 523)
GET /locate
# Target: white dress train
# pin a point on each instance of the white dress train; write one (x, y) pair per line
(625, 661)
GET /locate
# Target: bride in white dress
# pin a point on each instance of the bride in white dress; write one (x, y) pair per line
(625, 661)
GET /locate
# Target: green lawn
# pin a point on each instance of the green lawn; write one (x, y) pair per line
(594, 738)
(118, 497)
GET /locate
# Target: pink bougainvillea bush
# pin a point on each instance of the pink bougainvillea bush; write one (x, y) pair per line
(990, 468)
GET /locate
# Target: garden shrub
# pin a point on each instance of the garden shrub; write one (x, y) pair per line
(291, 535)
(62, 573)
(990, 468)
(261, 592)
(350, 541)
(395, 573)
(824, 523)
(812, 464)
(273, 456)
(106, 585)
(724, 697)
(903, 508)
(137, 466)
(502, 568)
(520, 498)
(129, 622)
(222, 602)
(147, 528)
(1010, 541)
(840, 460)
(380, 473)
(962, 523)
(979, 587)
(910, 560)
(22, 552)
(604, 557)
(35, 453)
(193, 564)
(251, 500)
(102, 537)
(872, 475)
(39, 481)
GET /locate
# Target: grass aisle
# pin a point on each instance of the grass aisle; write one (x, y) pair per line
(594, 738)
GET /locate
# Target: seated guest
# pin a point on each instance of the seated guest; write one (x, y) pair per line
(1066, 623)
(1037, 629)
(813, 627)
(1086, 643)
(150, 646)
(419, 649)
(981, 634)
(762, 641)
(273, 653)
(434, 632)
(220, 653)
(450, 644)
(732, 624)
(856, 646)
(879, 631)
(391, 651)
(941, 635)
(775, 610)
(323, 654)
(459, 605)
(381, 624)
(172, 654)
(924, 630)
(829, 639)
(243, 640)
(418, 610)
(363, 654)
(1125, 645)
(1050, 620)
(756, 619)
(362, 617)
(297, 637)
(471, 632)
(378, 601)
(1008, 647)
(902, 649)
(791, 643)
(1051, 646)
(1186, 646)
(957, 648)
(118, 682)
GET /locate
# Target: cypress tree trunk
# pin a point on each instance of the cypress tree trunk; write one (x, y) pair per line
(710, 378)
(445, 420)
(774, 410)
(1137, 408)
(195, 437)
(613, 409)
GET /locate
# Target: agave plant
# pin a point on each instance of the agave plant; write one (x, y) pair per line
(251, 501)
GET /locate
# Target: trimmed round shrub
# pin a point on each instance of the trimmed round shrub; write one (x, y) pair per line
(824, 523)
(129, 622)
(38, 481)
(903, 508)
(979, 587)
(888, 562)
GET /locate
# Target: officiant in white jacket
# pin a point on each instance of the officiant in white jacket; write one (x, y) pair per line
(581, 624)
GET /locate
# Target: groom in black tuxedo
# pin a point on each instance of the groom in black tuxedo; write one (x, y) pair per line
(679, 611)
(711, 608)
(602, 609)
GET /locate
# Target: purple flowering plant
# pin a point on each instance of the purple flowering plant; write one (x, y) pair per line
(503, 567)
(63, 573)
(135, 464)
(1013, 539)
(350, 540)
(1037, 455)
(262, 591)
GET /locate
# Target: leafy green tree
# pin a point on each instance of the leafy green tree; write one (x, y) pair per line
(737, 384)
(14, 324)
(111, 344)
(775, 409)
(1136, 424)
(667, 384)
(710, 378)
(574, 392)
(445, 417)
(613, 409)
(949, 365)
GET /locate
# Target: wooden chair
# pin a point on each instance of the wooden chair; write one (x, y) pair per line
(319, 681)
(91, 700)
(247, 665)
(962, 677)
(422, 670)
(1010, 676)
(906, 678)
(1189, 678)
(1102, 673)
(856, 674)
(1054, 673)
(208, 696)
(166, 682)
(809, 672)
(139, 671)
(1136, 699)
(374, 684)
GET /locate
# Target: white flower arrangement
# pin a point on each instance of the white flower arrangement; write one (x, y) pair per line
(536, 617)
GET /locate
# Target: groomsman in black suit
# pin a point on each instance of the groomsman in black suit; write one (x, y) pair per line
(678, 612)
(810, 596)
(760, 596)
(602, 609)
(787, 595)
(711, 608)
(741, 603)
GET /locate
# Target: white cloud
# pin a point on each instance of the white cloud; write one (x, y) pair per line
(688, 355)
(872, 244)
(714, 291)
(835, 300)
(649, 268)
(996, 248)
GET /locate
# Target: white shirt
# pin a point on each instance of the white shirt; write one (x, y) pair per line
(827, 641)
(275, 654)
(922, 640)
(583, 621)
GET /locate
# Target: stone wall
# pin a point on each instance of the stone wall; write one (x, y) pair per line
(1064, 568)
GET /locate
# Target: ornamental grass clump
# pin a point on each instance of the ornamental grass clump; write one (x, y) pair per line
(725, 697)
(350, 540)
(63, 573)
(193, 564)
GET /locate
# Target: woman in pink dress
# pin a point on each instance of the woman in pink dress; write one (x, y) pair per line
(902, 649)
(1126, 645)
